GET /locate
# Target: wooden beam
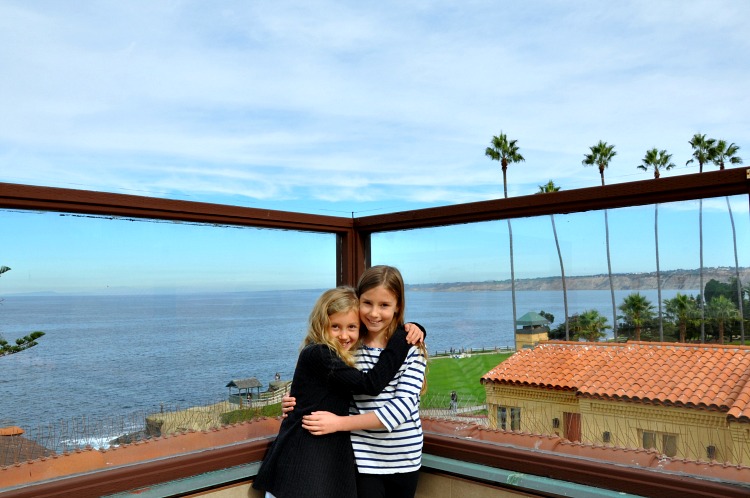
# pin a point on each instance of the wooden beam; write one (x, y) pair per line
(25, 197)
(680, 188)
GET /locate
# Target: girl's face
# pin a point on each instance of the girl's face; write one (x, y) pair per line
(377, 307)
(344, 327)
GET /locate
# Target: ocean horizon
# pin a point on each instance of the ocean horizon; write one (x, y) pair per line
(112, 355)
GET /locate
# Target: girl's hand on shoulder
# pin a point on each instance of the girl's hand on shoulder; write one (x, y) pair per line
(287, 404)
(321, 423)
(414, 334)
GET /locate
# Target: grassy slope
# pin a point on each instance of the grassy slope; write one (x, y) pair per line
(461, 374)
(443, 376)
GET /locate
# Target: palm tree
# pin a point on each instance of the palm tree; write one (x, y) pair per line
(601, 154)
(546, 189)
(590, 326)
(722, 310)
(657, 160)
(703, 151)
(506, 152)
(637, 310)
(725, 153)
(682, 309)
(728, 153)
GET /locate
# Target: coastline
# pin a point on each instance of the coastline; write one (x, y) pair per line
(687, 280)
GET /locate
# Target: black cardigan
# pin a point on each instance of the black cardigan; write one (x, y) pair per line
(301, 465)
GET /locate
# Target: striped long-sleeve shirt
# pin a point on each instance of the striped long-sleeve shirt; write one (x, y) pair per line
(398, 447)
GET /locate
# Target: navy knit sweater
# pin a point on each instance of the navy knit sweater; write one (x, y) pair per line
(301, 465)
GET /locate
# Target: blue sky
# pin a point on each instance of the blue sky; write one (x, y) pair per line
(340, 107)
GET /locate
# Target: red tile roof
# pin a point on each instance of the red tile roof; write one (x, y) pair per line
(701, 376)
(636, 457)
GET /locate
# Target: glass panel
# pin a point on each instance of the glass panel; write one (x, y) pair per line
(515, 419)
(669, 443)
(502, 417)
(458, 277)
(649, 440)
(144, 315)
(459, 286)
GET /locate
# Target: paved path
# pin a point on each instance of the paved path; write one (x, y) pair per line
(447, 413)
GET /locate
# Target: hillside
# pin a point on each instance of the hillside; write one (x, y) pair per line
(673, 279)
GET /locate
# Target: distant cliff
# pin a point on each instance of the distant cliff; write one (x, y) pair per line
(673, 279)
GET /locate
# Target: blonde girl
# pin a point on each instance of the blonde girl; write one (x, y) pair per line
(299, 464)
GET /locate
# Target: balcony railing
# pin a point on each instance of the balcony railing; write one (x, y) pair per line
(357, 243)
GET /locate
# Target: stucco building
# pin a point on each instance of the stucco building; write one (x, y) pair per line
(684, 400)
(531, 329)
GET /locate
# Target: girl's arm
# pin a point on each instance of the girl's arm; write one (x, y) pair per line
(321, 423)
(373, 381)
(415, 334)
(389, 416)
(405, 400)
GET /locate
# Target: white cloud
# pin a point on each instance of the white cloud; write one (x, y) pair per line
(329, 100)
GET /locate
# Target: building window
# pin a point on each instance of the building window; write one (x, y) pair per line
(711, 452)
(649, 440)
(515, 418)
(662, 442)
(669, 444)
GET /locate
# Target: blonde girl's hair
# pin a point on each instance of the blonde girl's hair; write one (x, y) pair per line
(390, 278)
(332, 301)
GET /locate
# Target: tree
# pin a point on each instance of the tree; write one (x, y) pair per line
(601, 154)
(549, 316)
(682, 309)
(724, 153)
(590, 326)
(657, 160)
(21, 344)
(506, 152)
(546, 189)
(714, 288)
(703, 151)
(728, 153)
(722, 310)
(637, 310)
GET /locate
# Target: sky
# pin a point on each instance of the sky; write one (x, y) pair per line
(349, 109)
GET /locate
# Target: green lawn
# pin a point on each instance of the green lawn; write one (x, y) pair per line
(444, 374)
(461, 374)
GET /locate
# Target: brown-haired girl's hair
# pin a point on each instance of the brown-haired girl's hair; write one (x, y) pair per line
(332, 301)
(390, 278)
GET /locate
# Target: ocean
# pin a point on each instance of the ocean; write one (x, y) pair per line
(114, 355)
